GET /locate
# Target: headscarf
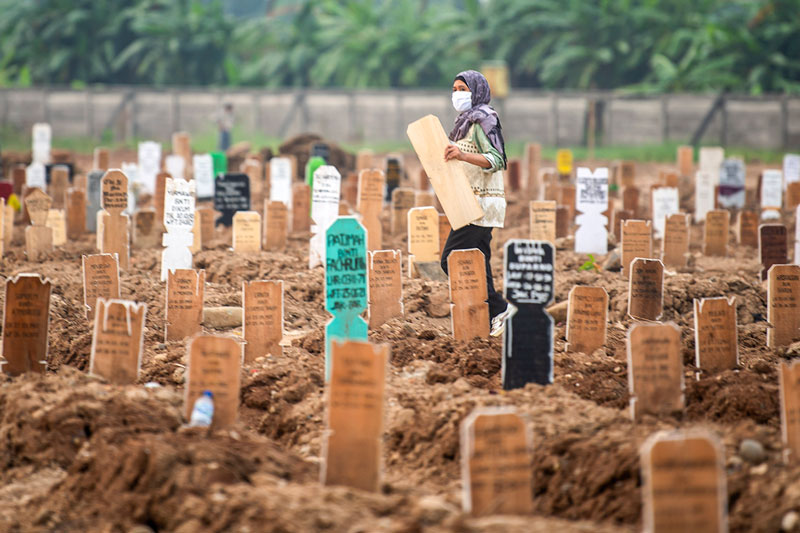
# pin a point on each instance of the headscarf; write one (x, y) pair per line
(480, 112)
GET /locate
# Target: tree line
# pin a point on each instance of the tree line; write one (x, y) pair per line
(744, 46)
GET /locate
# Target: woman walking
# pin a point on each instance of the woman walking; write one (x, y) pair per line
(477, 141)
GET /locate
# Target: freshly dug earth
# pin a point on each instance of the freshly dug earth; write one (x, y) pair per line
(78, 454)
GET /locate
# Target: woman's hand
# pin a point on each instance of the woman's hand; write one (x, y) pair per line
(453, 152)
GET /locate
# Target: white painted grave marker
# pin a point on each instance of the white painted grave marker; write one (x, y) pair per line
(591, 200)
(324, 210)
(179, 203)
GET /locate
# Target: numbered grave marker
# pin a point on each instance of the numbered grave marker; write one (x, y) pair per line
(496, 472)
(262, 325)
(117, 341)
(655, 369)
(591, 200)
(184, 305)
(528, 339)
(747, 228)
(423, 237)
(715, 337)
(38, 236)
(231, 194)
(715, 234)
(469, 310)
(246, 232)
(645, 293)
(710, 160)
(100, 280)
(175, 165)
(276, 225)
(370, 204)
(26, 323)
(324, 210)
(214, 364)
(675, 246)
(789, 380)
(636, 242)
(783, 305)
(773, 248)
(586, 319)
(113, 226)
(76, 214)
(543, 221)
(385, 286)
(353, 450)
(179, 202)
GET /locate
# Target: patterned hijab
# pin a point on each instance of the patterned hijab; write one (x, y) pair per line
(480, 112)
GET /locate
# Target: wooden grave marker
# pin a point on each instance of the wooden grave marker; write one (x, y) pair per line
(627, 174)
(246, 232)
(447, 177)
(630, 199)
(115, 232)
(146, 229)
(280, 177)
(783, 305)
(646, 289)
(675, 246)
(773, 248)
(533, 162)
(424, 199)
(276, 225)
(179, 204)
(796, 234)
(771, 194)
(669, 178)
(747, 228)
(346, 285)
(76, 214)
(8, 224)
(683, 483)
(38, 236)
(197, 233)
(117, 341)
(231, 194)
(563, 221)
(715, 336)
(402, 203)
(365, 159)
(370, 204)
(207, 228)
(566, 198)
(591, 200)
(496, 472)
(354, 416)
(789, 381)
(301, 206)
(731, 192)
(393, 174)
(469, 310)
(423, 237)
(685, 160)
(59, 183)
(512, 176)
(26, 323)
(655, 368)
(18, 177)
(619, 215)
(385, 286)
(586, 319)
(101, 158)
(161, 190)
(203, 167)
(715, 233)
(324, 210)
(262, 322)
(665, 202)
(793, 195)
(57, 222)
(543, 220)
(184, 303)
(214, 364)
(255, 172)
(100, 280)
(444, 232)
(528, 268)
(636, 242)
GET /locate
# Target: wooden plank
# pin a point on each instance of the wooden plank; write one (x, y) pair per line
(117, 339)
(637, 241)
(675, 246)
(100, 280)
(469, 310)
(184, 303)
(655, 369)
(214, 363)
(262, 322)
(586, 319)
(385, 286)
(645, 293)
(246, 232)
(447, 177)
(715, 234)
(276, 225)
(789, 380)
(715, 335)
(26, 324)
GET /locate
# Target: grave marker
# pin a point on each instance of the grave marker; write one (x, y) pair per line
(59, 183)
(246, 232)
(38, 236)
(231, 194)
(747, 228)
(636, 242)
(591, 200)
(26, 321)
(424, 199)
(57, 223)
(665, 202)
(276, 225)
(146, 229)
(731, 192)
(203, 167)
(324, 210)
(41, 136)
(705, 187)
(528, 339)
(365, 159)
(533, 162)
(214, 364)
(444, 232)
(619, 216)
(715, 335)
(566, 197)
(262, 323)
(710, 160)
(645, 292)
(627, 170)
(181, 145)
(301, 205)
(543, 221)
(783, 305)
(685, 160)
(423, 237)
(280, 175)
(469, 311)
(35, 176)
(715, 234)
(149, 159)
(114, 234)
(789, 380)
(675, 246)
(184, 303)
(513, 175)
(683, 485)
(793, 195)
(563, 221)
(402, 202)
(100, 158)
(254, 170)
(8, 224)
(18, 177)
(161, 189)
(791, 169)
(496, 472)
(117, 341)
(100, 280)
(355, 415)
(346, 284)
(207, 228)
(175, 166)
(385, 286)
(796, 234)
(393, 172)
(655, 368)
(772, 247)
(586, 319)
(370, 204)
(447, 177)
(630, 199)
(179, 202)
(771, 194)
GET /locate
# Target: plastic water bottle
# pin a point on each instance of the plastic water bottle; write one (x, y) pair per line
(203, 410)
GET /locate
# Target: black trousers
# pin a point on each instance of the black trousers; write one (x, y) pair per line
(471, 236)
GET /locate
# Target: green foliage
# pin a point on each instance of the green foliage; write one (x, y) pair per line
(634, 45)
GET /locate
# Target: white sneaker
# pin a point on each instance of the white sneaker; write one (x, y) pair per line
(499, 322)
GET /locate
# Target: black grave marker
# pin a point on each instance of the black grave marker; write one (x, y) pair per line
(392, 176)
(231, 194)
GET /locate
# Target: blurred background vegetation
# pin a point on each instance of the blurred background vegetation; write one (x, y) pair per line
(743, 46)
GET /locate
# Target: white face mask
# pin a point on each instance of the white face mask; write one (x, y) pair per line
(462, 100)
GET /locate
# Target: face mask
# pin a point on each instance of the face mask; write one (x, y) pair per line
(462, 100)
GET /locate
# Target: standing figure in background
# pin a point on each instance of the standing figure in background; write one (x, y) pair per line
(477, 141)
(225, 125)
